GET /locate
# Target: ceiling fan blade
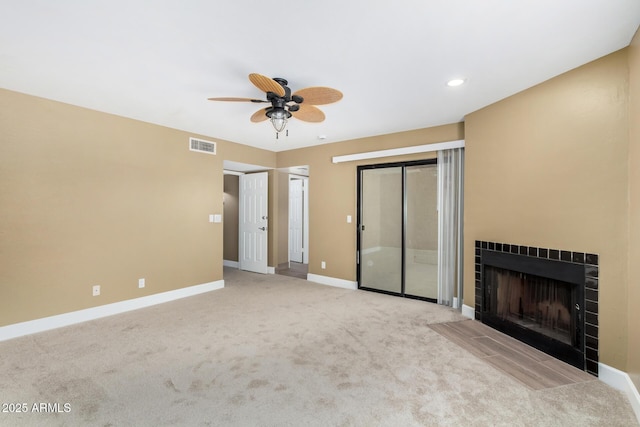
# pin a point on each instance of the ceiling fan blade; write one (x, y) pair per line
(259, 116)
(266, 84)
(319, 95)
(309, 113)
(231, 99)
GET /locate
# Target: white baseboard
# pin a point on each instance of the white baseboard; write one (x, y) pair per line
(332, 281)
(74, 317)
(271, 270)
(620, 381)
(468, 311)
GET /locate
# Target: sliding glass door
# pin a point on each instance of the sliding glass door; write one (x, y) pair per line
(398, 229)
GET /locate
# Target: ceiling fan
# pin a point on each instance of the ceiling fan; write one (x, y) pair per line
(284, 104)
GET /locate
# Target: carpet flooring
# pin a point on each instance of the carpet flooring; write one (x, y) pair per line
(271, 350)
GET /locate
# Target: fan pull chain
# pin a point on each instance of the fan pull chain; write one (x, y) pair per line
(278, 134)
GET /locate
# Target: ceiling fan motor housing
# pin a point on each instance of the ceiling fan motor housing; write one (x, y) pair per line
(280, 103)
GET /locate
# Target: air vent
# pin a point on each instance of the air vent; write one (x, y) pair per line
(202, 146)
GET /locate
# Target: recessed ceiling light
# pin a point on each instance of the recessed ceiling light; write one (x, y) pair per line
(455, 82)
(321, 137)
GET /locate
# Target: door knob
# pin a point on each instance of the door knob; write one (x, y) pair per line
(262, 228)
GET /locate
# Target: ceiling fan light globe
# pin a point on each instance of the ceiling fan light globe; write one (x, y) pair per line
(279, 123)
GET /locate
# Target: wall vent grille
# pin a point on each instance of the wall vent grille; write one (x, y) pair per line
(202, 146)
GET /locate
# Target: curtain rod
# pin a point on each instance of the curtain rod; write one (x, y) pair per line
(426, 148)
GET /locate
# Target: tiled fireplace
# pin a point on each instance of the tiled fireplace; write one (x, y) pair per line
(547, 298)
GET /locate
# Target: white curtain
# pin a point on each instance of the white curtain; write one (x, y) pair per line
(450, 214)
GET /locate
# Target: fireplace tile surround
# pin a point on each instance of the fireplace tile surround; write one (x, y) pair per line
(591, 269)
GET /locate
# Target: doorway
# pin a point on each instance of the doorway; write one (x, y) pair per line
(296, 251)
(398, 229)
(239, 177)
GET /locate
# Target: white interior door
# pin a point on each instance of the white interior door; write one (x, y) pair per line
(252, 241)
(296, 222)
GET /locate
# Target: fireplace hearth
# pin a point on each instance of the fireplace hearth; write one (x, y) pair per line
(546, 298)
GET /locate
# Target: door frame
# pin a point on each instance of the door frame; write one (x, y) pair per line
(403, 206)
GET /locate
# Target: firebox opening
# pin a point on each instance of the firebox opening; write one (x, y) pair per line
(536, 300)
(536, 303)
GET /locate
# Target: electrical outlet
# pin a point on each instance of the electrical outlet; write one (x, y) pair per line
(323, 265)
(96, 290)
(141, 283)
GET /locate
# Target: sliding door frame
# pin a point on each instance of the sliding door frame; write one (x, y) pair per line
(403, 206)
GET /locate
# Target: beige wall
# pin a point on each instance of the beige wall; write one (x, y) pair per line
(332, 192)
(88, 198)
(548, 167)
(230, 223)
(634, 213)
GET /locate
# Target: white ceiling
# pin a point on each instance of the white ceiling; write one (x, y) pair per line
(159, 60)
